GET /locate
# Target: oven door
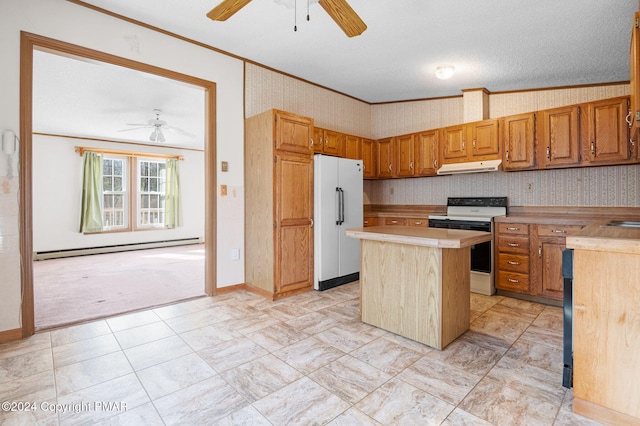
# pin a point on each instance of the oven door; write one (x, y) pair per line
(480, 253)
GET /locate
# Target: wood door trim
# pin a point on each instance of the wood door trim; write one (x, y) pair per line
(28, 43)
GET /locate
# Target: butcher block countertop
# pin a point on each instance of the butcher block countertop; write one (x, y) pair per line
(426, 237)
(603, 235)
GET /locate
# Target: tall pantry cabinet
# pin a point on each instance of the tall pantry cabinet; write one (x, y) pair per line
(278, 203)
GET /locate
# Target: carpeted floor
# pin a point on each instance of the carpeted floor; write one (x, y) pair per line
(76, 289)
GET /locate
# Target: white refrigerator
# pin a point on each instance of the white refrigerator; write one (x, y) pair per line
(337, 206)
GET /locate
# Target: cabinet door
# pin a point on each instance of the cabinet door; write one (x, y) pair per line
(332, 142)
(318, 139)
(454, 144)
(293, 227)
(385, 158)
(352, 147)
(634, 62)
(293, 132)
(485, 143)
(369, 158)
(605, 132)
(404, 146)
(426, 153)
(558, 137)
(518, 140)
(550, 258)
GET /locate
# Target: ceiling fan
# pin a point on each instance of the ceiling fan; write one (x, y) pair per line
(338, 10)
(158, 125)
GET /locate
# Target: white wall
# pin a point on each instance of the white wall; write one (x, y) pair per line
(57, 188)
(68, 22)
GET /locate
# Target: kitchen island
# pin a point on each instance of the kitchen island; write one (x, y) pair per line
(606, 321)
(415, 282)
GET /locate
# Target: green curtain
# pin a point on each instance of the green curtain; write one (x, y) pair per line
(91, 214)
(172, 206)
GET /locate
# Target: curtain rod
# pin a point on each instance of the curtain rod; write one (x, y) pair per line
(82, 149)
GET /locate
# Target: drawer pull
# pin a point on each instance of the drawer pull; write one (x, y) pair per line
(394, 221)
(511, 262)
(513, 245)
(513, 229)
(417, 223)
(511, 280)
(559, 231)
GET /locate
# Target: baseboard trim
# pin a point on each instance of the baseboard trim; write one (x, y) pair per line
(230, 289)
(603, 414)
(259, 291)
(10, 335)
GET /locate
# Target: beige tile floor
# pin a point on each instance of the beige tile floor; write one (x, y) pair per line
(238, 359)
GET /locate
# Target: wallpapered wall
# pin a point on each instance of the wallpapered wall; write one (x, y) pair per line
(593, 186)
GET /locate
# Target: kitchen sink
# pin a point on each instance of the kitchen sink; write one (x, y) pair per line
(624, 223)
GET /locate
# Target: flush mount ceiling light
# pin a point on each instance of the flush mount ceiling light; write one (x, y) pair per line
(444, 72)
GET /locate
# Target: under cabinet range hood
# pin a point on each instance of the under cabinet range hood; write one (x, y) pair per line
(470, 167)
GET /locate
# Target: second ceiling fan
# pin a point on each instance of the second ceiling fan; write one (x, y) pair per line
(339, 10)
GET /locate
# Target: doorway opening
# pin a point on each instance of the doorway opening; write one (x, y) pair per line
(30, 222)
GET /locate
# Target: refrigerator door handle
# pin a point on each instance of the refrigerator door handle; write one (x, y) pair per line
(339, 206)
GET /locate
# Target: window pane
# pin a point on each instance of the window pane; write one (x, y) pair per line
(117, 168)
(154, 201)
(118, 201)
(106, 184)
(144, 168)
(144, 184)
(153, 184)
(107, 167)
(154, 169)
(117, 184)
(108, 201)
(144, 201)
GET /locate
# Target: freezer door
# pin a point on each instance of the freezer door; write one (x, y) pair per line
(325, 216)
(350, 182)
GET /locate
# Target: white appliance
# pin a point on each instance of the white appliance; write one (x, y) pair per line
(475, 214)
(337, 206)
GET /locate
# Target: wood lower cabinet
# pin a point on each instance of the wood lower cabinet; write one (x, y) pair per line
(547, 243)
(370, 221)
(394, 221)
(518, 139)
(558, 137)
(278, 207)
(512, 247)
(369, 158)
(605, 132)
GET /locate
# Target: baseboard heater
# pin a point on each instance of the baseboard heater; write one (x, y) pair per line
(53, 254)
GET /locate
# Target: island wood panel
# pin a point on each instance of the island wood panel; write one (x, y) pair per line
(404, 289)
(606, 334)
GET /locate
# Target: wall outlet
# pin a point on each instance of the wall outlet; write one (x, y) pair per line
(235, 254)
(530, 188)
(223, 190)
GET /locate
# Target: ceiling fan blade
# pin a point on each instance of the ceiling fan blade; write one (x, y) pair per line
(135, 128)
(346, 18)
(226, 9)
(179, 131)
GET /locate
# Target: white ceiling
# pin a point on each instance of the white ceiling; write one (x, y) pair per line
(500, 45)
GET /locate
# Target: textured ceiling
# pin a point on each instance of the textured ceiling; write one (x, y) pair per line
(500, 45)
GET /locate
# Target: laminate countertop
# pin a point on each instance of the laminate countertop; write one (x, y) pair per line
(601, 236)
(426, 237)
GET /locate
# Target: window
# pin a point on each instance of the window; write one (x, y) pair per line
(114, 193)
(151, 193)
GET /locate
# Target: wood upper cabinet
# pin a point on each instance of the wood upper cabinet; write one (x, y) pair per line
(292, 132)
(293, 234)
(634, 66)
(385, 158)
(369, 162)
(426, 153)
(605, 132)
(471, 142)
(518, 140)
(278, 205)
(558, 138)
(352, 147)
(328, 142)
(404, 147)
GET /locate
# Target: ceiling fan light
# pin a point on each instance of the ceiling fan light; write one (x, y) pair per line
(444, 72)
(160, 136)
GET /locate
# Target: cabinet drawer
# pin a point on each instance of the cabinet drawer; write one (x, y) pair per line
(512, 281)
(400, 221)
(424, 223)
(513, 263)
(557, 230)
(370, 221)
(513, 229)
(513, 244)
